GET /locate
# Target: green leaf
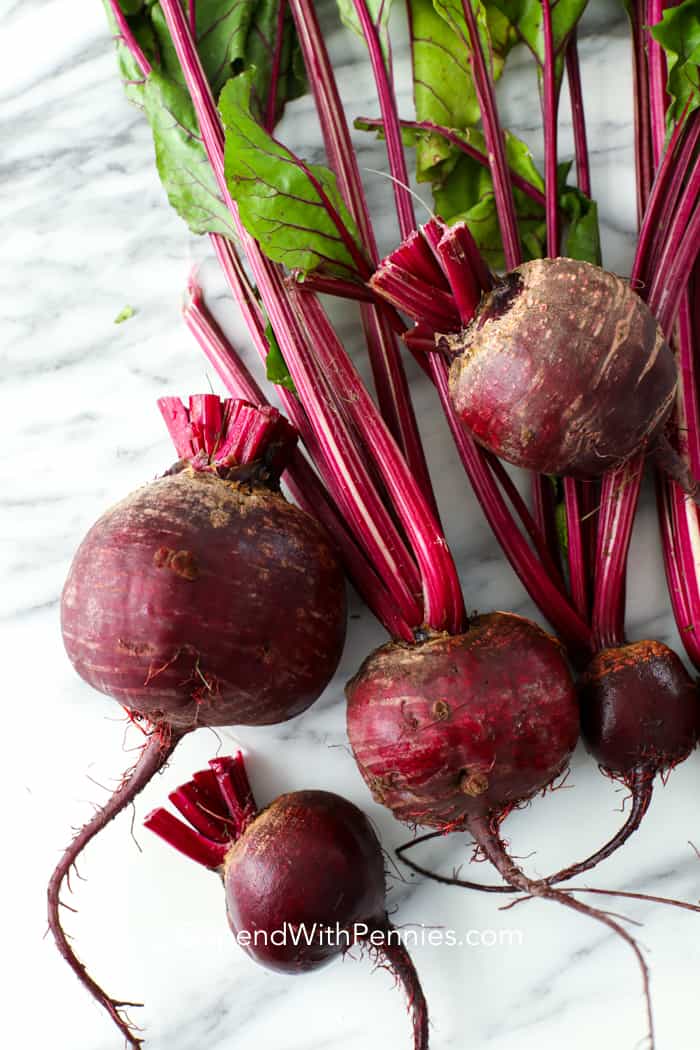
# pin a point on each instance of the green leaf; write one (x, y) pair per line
(275, 367)
(443, 89)
(582, 237)
(181, 159)
(467, 194)
(379, 11)
(139, 23)
(678, 32)
(562, 526)
(284, 203)
(232, 36)
(125, 314)
(525, 16)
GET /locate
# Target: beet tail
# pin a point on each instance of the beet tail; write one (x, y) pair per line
(154, 755)
(486, 836)
(394, 955)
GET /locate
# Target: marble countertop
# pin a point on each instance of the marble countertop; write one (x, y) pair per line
(86, 231)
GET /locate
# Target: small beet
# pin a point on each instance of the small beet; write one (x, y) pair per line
(303, 878)
(639, 709)
(564, 370)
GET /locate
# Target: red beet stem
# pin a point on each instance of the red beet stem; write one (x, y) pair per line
(127, 35)
(486, 836)
(462, 144)
(393, 954)
(394, 144)
(227, 433)
(235, 790)
(385, 359)
(195, 807)
(161, 743)
(573, 77)
(192, 844)
(550, 108)
(465, 269)
(420, 301)
(273, 87)
(223, 793)
(495, 142)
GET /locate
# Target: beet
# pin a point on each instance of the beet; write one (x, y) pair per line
(303, 878)
(203, 599)
(464, 725)
(564, 370)
(639, 709)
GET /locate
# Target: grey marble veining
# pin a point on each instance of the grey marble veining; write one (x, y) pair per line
(86, 230)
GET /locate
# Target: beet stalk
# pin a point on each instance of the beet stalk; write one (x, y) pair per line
(303, 878)
(173, 603)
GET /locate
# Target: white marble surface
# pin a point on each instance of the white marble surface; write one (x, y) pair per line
(86, 230)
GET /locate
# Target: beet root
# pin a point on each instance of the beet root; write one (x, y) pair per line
(303, 878)
(639, 709)
(564, 370)
(463, 725)
(206, 602)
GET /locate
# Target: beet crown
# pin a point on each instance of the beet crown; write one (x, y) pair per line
(564, 370)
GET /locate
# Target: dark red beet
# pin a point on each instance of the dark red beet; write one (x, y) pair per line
(639, 709)
(303, 878)
(202, 599)
(564, 370)
(337, 876)
(463, 725)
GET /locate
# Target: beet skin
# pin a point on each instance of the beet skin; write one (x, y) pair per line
(639, 708)
(202, 601)
(463, 726)
(309, 859)
(564, 370)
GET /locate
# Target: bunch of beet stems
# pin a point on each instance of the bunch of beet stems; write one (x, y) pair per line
(661, 200)
(349, 432)
(597, 549)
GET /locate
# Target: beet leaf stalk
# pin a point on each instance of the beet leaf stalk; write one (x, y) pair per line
(264, 858)
(458, 255)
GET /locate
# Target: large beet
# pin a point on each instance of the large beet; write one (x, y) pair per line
(466, 725)
(564, 370)
(206, 602)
